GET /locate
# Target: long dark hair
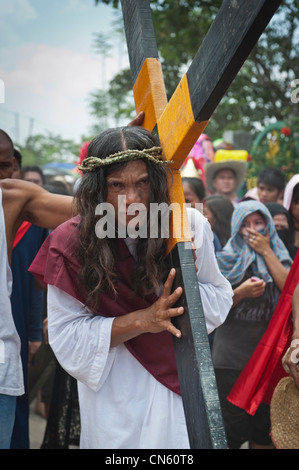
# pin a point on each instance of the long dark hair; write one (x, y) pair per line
(98, 255)
(295, 199)
(196, 184)
(222, 209)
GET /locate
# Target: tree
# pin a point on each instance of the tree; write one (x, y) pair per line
(261, 93)
(116, 102)
(277, 147)
(42, 149)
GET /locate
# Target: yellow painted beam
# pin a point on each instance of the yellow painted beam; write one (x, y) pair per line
(179, 230)
(178, 131)
(149, 92)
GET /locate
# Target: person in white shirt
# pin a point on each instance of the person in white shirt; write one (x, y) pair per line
(19, 201)
(110, 299)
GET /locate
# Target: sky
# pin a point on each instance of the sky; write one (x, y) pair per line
(48, 67)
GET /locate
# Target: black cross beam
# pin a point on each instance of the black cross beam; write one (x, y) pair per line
(178, 123)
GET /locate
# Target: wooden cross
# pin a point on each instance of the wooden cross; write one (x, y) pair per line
(178, 123)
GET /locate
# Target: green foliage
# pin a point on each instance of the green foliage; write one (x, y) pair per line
(41, 149)
(180, 27)
(99, 108)
(109, 107)
(276, 146)
(262, 90)
(121, 95)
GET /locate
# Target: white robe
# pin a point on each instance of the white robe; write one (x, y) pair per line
(122, 406)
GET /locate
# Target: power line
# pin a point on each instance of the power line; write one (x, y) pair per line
(29, 118)
(12, 123)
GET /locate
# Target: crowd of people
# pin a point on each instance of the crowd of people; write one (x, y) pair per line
(106, 304)
(258, 235)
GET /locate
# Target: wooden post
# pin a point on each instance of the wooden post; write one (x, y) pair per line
(179, 123)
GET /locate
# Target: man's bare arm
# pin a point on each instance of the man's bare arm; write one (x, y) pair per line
(47, 209)
(27, 201)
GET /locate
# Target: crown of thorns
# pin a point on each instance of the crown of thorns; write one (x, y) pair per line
(153, 154)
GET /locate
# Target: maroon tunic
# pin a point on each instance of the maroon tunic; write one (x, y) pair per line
(56, 264)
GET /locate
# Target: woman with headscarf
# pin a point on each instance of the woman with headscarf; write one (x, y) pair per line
(256, 263)
(291, 203)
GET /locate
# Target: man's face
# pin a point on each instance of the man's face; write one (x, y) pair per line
(225, 181)
(267, 193)
(7, 161)
(126, 186)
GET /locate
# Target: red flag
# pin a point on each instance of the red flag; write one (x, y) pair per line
(264, 369)
(21, 232)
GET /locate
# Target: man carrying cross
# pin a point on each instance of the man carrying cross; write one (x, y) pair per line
(101, 362)
(110, 302)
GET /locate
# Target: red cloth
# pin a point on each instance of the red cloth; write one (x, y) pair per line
(264, 369)
(56, 264)
(21, 232)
